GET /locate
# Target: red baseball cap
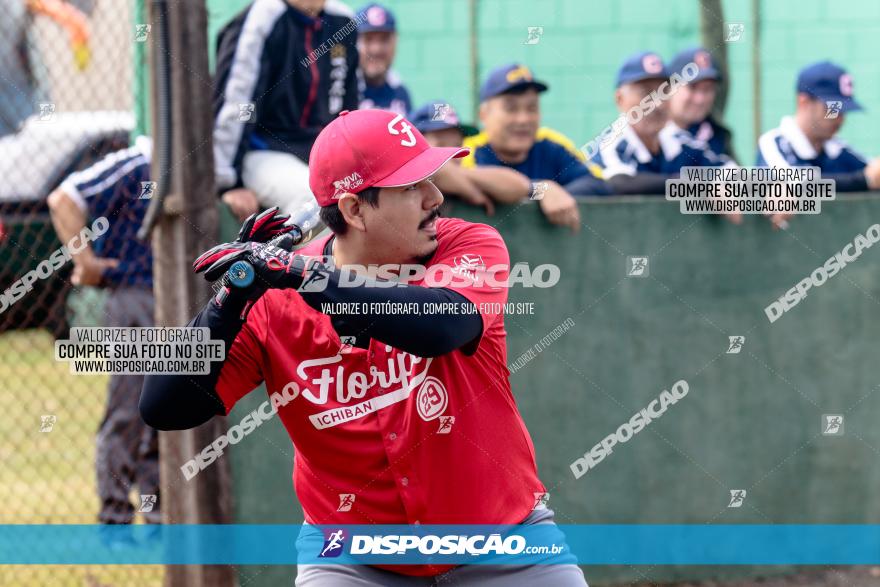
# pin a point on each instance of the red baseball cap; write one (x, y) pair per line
(371, 148)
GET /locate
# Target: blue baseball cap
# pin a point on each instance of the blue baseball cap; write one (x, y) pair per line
(641, 66)
(509, 77)
(702, 58)
(829, 82)
(374, 18)
(439, 115)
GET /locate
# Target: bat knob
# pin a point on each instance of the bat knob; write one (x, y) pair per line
(241, 274)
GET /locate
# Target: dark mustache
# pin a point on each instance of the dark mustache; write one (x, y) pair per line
(434, 214)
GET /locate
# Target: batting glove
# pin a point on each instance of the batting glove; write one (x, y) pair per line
(275, 266)
(261, 228)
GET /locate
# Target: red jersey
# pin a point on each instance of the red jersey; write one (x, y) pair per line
(385, 437)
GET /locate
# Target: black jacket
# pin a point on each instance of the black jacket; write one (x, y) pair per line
(297, 72)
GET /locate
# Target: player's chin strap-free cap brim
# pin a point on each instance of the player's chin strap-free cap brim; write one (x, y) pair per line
(420, 167)
(436, 125)
(489, 93)
(848, 103)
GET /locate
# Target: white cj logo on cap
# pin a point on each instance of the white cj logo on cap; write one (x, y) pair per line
(405, 128)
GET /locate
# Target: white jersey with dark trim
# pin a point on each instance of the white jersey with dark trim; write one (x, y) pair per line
(281, 77)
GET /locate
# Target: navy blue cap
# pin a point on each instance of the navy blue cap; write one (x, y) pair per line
(438, 115)
(703, 60)
(641, 66)
(375, 18)
(829, 82)
(509, 77)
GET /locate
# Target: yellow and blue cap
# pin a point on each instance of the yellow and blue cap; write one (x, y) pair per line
(507, 78)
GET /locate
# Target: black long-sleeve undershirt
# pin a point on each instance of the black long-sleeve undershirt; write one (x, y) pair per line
(178, 402)
(425, 335)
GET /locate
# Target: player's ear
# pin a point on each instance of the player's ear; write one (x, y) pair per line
(618, 98)
(352, 210)
(803, 101)
(484, 111)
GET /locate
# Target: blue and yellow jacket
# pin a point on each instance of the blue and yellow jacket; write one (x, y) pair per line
(553, 157)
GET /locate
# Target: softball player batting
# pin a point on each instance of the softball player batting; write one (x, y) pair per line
(398, 417)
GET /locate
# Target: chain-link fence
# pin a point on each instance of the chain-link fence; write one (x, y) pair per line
(73, 187)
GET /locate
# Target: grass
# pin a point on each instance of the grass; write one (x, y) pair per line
(49, 477)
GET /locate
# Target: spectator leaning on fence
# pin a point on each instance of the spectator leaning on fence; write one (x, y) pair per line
(644, 154)
(284, 71)
(380, 86)
(127, 450)
(690, 107)
(824, 98)
(480, 186)
(512, 136)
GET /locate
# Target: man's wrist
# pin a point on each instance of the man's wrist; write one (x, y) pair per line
(87, 262)
(233, 303)
(537, 190)
(85, 256)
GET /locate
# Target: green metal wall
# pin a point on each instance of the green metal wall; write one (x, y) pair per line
(750, 421)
